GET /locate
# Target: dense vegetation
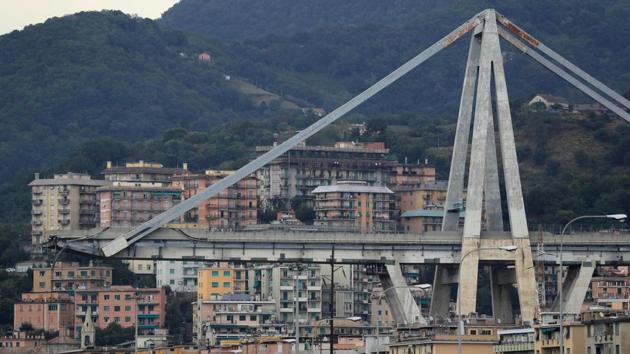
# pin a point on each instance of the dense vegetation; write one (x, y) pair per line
(100, 75)
(340, 48)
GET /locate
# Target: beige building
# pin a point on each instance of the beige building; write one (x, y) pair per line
(64, 202)
(548, 334)
(607, 332)
(442, 339)
(70, 276)
(50, 311)
(355, 206)
(138, 192)
(233, 317)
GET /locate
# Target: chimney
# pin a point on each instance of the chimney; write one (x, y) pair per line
(109, 164)
(36, 175)
(185, 166)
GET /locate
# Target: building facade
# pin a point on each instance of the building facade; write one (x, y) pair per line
(48, 310)
(221, 279)
(306, 280)
(232, 209)
(64, 202)
(121, 304)
(70, 277)
(233, 317)
(304, 168)
(355, 206)
(180, 276)
(138, 192)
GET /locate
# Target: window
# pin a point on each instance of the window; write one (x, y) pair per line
(242, 318)
(117, 297)
(106, 308)
(52, 307)
(127, 308)
(226, 273)
(116, 308)
(84, 273)
(106, 297)
(171, 282)
(42, 284)
(226, 284)
(252, 318)
(117, 319)
(171, 271)
(127, 319)
(215, 284)
(215, 273)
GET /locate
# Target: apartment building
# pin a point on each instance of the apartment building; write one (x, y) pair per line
(221, 279)
(64, 202)
(232, 209)
(180, 276)
(48, 310)
(306, 279)
(304, 168)
(343, 306)
(411, 175)
(355, 206)
(480, 335)
(71, 277)
(234, 317)
(121, 304)
(612, 292)
(607, 332)
(365, 281)
(138, 192)
(429, 195)
(548, 334)
(515, 341)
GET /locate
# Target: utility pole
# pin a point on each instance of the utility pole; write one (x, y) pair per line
(332, 299)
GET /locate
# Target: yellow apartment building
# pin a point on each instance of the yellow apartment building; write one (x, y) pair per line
(221, 279)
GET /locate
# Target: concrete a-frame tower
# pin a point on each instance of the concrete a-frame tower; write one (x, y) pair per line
(484, 232)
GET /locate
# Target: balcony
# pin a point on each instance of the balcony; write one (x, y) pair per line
(37, 191)
(514, 347)
(64, 221)
(38, 202)
(36, 212)
(64, 201)
(37, 223)
(63, 211)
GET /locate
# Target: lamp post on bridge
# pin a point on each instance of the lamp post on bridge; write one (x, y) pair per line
(618, 217)
(460, 323)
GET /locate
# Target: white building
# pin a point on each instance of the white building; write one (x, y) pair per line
(180, 276)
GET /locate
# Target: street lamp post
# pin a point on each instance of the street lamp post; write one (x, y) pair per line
(618, 217)
(460, 323)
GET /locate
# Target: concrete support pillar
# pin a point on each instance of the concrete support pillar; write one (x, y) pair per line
(399, 297)
(501, 282)
(468, 273)
(526, 280)
(574, 287)
(445, 277)
(492, 194)
(454, 193)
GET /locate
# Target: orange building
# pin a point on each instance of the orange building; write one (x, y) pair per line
(221, 279)
(354, 205)
(232, 209)
(612, 292)
(427, 195)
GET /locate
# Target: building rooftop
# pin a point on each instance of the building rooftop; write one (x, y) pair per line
(429, 186)
(70, 178)
(427, 213)
(352, 187)
(361, 149)
(552, 99)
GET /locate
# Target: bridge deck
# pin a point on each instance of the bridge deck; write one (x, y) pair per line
(312, 246)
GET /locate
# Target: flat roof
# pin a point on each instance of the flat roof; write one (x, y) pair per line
(352, 188)
(68, 182)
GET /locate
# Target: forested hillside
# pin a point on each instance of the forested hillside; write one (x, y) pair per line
(342, 47)
(97, 75)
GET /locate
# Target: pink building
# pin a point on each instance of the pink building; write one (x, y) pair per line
(119, 304)
(50, 311)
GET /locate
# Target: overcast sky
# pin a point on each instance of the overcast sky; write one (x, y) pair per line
(15, 14)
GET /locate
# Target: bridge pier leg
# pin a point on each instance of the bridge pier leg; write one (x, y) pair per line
(445, 277)
(501, 282)
(468, 274)
(526, 280)
(400, 299)
(574, 288)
